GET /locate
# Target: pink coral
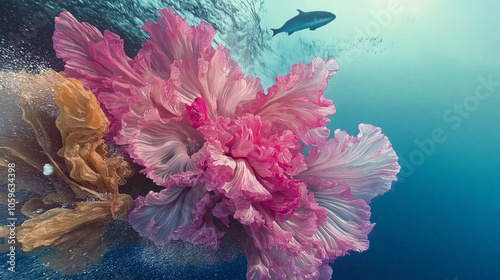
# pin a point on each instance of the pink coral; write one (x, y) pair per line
(229, 156)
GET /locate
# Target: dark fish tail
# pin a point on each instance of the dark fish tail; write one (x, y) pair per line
(275, 31)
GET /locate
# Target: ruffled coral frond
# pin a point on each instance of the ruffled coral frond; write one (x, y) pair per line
(164, 147)
(367, 163)
(348, 222)
(296, 101)
(177, 212)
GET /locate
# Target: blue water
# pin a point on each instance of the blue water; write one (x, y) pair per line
(414, 73)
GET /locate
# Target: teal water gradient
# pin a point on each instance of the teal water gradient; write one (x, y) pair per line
(442, 221)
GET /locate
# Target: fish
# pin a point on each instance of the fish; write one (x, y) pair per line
(303, 20)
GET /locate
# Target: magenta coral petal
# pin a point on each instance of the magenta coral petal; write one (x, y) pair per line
(177, 212)
(185, 54)
(326, 272)
(317, 136)
(157, 94)
(71, 37)
(243, 183)
(171, 38)
(99, 62)
(90, 57)
(293, 234)
(348, 221)
(202, 229)
(223, 210)
(296, 101)
(227, 85)
(367, 162)
(277, 264)
(333, 67)
(158, 216)
(218, 80)
(164, 147)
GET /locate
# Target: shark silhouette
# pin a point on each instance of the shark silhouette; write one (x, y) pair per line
(303, 20)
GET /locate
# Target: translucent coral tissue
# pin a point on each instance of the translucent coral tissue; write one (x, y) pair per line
(229, 156)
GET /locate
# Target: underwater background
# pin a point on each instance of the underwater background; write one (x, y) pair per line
(426, 72)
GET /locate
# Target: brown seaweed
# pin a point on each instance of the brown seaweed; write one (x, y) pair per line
(83, 125)
(72, 216)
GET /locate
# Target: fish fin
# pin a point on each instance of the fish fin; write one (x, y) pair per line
(300, 11)
(275, 31)
(290, 33)
(312, 28)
